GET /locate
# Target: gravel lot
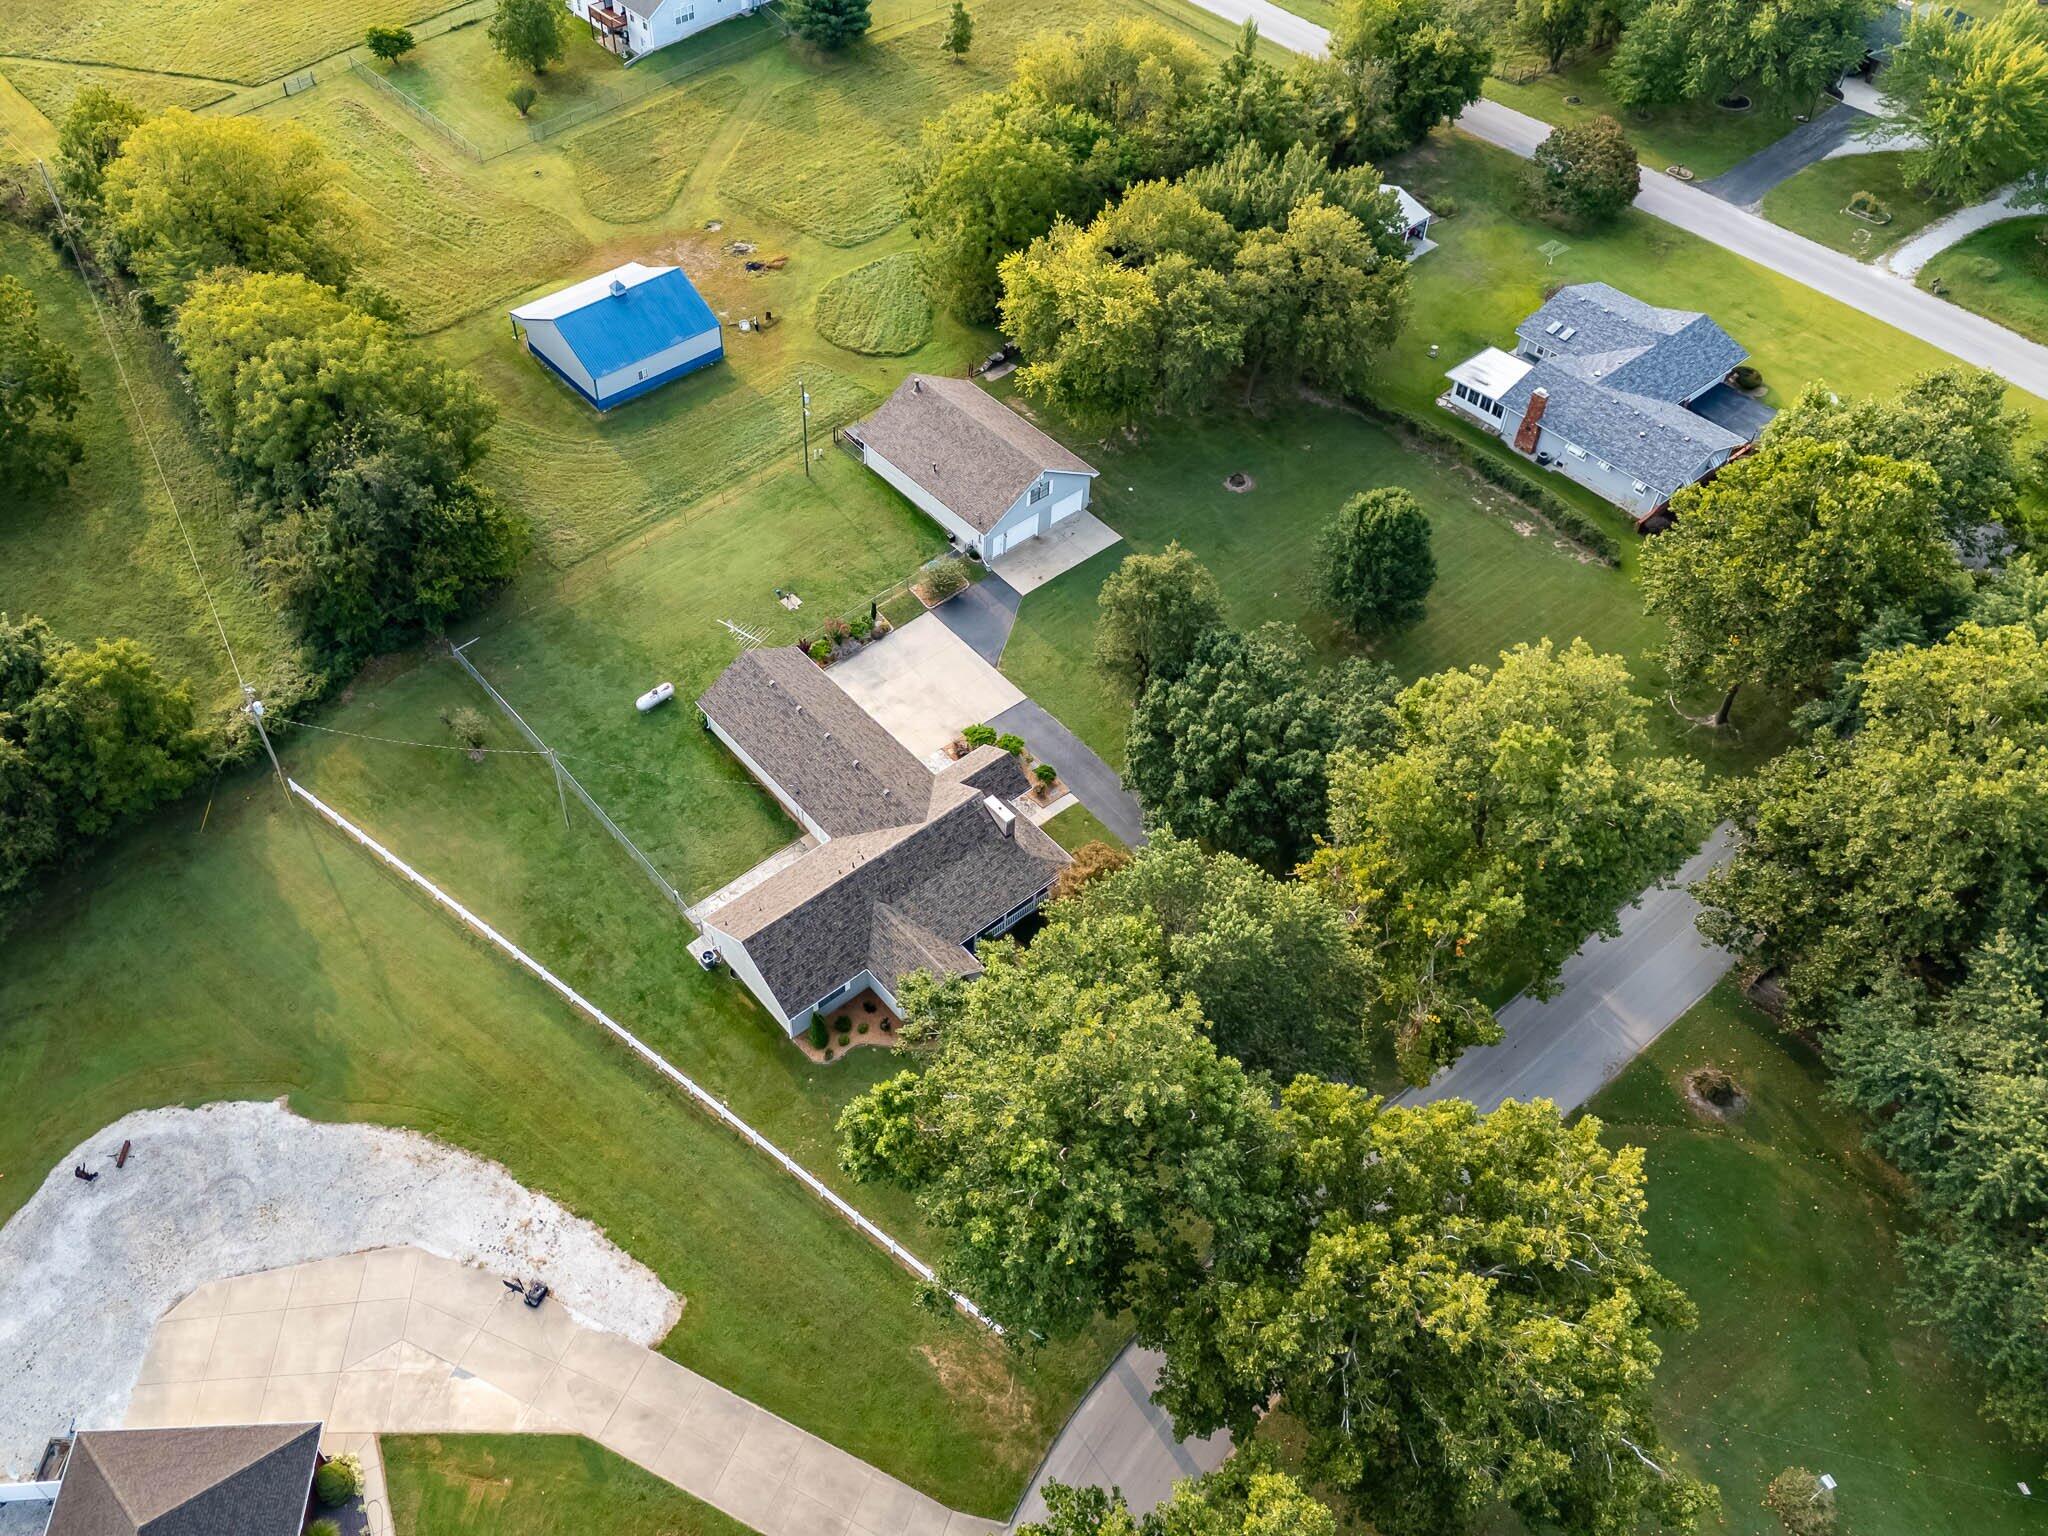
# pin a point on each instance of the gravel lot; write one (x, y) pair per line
(87, 1269)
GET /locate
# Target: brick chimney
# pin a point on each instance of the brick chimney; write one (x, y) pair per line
(1525, 434)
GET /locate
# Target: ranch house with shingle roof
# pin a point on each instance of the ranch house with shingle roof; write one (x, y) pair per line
(910, 867)
(1630, 400)
(971, 464)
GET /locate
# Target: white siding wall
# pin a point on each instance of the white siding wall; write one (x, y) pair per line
(922, 499)
(674, 357)
(1614, 483)
(1026, 518)
(789, 805)
(735, 955)
(542, 336)
(685, 18)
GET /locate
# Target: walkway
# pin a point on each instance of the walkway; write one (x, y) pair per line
(398, 1341)
(1746, 183)
(1876, 293)
(1120, 1438)
(1937, 237)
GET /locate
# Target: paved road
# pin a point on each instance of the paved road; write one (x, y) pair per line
(1874, 292)
(1745, 183)
(1093, 781)
(1618, 995)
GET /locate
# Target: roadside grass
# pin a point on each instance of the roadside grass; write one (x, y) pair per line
(245, 41)
(103, 554)
(2001, 273)
(266, 956)
(878, 310)
(533, 1485)
(631, 168)
(49, 87)
(1077, 826)
(1701, 136)
(1782, 1228)
(1813, 203)
(440, 241)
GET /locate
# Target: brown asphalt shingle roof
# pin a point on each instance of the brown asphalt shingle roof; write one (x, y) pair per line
(887, 899)
(228, 1480)
(964, 446)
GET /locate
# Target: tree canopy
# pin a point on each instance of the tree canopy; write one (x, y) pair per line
(389, 43)
(95, 125)
(1412, 63)
(1374, 565)
(187, 195)
(1153, 609)
(1271, 963)
(1246, 1496)
(529, 33)
(1775, 567)
(1517, 810)
(1585, 172)
(830, 24)
(1703, 50)
(39, 395)
(1974, 96)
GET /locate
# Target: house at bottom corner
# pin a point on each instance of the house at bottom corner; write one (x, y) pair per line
(911, 867)
(971, 464)
(223, 1480)
(614, 337)
(1632, 401)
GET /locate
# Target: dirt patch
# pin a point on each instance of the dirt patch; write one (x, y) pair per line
(1525, 529)
(1238, 482)
(973, 1370)
(1713, 1094)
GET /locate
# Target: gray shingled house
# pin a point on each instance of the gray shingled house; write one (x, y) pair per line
(225, 1480)
(1630, 400)
(911, 867)
(971, 464)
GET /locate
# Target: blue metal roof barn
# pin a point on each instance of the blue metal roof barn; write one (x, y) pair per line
(619, 334)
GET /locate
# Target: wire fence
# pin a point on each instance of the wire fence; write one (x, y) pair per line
(707, 1100)
(448, 133)
(564, 779)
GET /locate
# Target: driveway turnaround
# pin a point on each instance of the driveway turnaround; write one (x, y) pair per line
(923, 682)
(1094, 783)
(983, 615)
(1876, 293)
(398, 1341)
(1036, 561)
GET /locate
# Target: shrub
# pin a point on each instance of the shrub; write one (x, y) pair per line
(821, 650)
(979, 735)
(388, 43)
(468, 726)
(838, 629)
(1868, 205)
(1011, 743)
(862, 627)
(829, 1053)
(1747, 378)
(522, 96)
(1586, 172)
(1046, 774)
(338, 1481)
(1091, 862)
(1802, 1506)
(817, 1034)
(324, 1527)
(1373, 562)
(945, 578)
(861, 1028)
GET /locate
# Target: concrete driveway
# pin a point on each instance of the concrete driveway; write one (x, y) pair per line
(1036, 561)
(923, 682)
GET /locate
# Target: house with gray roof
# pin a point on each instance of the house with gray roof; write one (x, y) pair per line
(909, 868)
(971, 464)
(222, 1480)
(1630, 400)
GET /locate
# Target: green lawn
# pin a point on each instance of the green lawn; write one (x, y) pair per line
(1782, 1229)
(1704, 138)
(1813, 203)
(1077, 826)
(243, 41)
(2001, 273)
(878, 310)
(533, 1485)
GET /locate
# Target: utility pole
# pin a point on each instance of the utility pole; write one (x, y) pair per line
(255, 709)
(803, 390)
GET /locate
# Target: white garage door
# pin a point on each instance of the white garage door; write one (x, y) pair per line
(1068, 505)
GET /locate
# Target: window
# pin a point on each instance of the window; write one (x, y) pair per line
(1497, 410)
(1041, 490)
(1575, 450)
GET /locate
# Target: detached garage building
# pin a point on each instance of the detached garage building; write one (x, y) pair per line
(619, 334)
(971, 464)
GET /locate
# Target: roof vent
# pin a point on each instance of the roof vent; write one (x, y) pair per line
(916, 385)
(1005, 818)
(618, 287)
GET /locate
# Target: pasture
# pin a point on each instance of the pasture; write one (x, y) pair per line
(242, 42)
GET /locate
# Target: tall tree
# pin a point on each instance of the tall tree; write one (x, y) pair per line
(1701, 50)
(1247, 101)
(1774, 568)
(1321, 300)
(1142, 78)
(1374, 565)
(1256, 189)
(1271, 963)
(1585, 172)
(529, 33)
(959, 31)
(1518, 809)
(1459, 1311)
(1072, 1139)
(109, 734)
(1153, 611)
(1556, 28)
(389, 43)
(1953, 420)
(95, 126)
(1974, 96)
(188, 195)
(1246, 1496)
(1233, 751)
(1422, 60)
(39, 395)
(1893, 853)
(830, 24)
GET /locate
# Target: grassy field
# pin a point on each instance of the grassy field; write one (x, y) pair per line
(1781, 1227)
(533, 1485)
(632, 169)
(1813, 203)
(878, 310)
(103, 554)
(243, 41)
(2001, 273)
(49, 87)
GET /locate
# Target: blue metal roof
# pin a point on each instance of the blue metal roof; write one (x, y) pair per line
(621, 329)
